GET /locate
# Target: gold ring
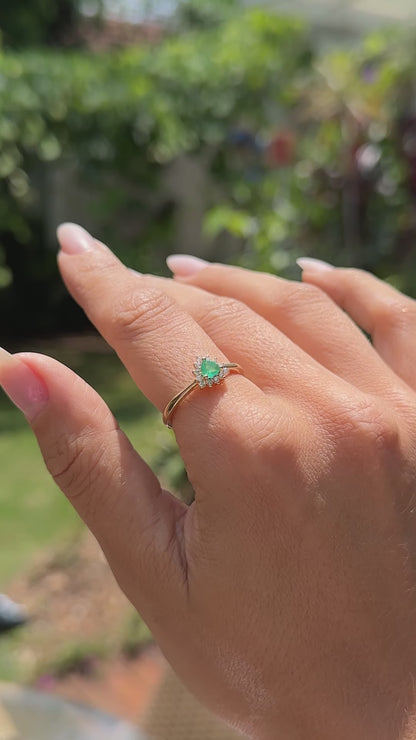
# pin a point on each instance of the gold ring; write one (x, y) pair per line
(208, 373)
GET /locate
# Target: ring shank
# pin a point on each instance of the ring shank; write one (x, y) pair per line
(170, 408)
(176, 400)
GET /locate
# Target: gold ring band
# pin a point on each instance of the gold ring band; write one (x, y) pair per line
(208, 373)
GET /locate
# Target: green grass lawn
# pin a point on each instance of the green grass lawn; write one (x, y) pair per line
(34, 515)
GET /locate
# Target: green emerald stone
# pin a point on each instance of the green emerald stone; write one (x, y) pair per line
(210, 369)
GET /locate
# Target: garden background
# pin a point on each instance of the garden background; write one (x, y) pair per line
(232, 132)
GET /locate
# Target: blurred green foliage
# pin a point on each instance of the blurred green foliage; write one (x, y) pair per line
(338, 179)
(194, 14)
(121, 118)
(307, 155)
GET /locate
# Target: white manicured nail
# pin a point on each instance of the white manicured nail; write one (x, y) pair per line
(26, 389)
(74, 239)
(313, 265)
(185, 265)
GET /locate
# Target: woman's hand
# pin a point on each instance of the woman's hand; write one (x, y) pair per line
(285, 596)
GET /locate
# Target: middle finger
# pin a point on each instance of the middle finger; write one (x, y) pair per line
(271, 359)
(308, 317)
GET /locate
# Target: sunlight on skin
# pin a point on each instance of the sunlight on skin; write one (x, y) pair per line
(273, 595)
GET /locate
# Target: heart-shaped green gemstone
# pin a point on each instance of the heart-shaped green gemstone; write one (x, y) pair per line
(210, 369)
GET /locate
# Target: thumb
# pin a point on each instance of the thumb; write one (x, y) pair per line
(138, 525)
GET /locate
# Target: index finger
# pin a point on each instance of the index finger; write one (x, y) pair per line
(157, 340)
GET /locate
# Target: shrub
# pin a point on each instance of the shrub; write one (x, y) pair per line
(307, 154)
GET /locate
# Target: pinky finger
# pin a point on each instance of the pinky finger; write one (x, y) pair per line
(387, 315)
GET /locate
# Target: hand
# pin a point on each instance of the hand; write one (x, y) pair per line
(285, 596)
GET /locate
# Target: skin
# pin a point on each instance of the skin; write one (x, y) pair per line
(285, 596)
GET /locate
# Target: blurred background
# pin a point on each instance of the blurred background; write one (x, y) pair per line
(241, 132)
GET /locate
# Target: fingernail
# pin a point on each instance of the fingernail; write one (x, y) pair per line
(311, 264)
(185, 265)
(74, 239)
(27, 391)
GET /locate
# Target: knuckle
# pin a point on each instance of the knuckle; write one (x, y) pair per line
(369, 424)
(77, 466)
(221, 310)
(297, 299)
(270, 436)
(264, 430)
(140, 314)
